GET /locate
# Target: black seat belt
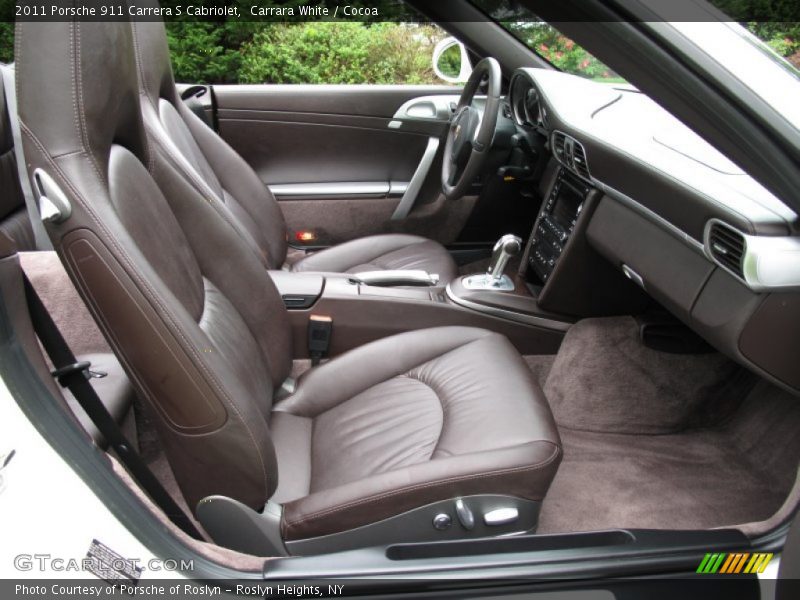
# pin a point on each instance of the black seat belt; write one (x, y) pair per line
(73, 375)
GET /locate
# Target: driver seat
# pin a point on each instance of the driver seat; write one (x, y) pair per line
(222, 176)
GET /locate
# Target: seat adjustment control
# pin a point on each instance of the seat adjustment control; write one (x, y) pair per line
(464, 514)
(501, 516)
(442, 521)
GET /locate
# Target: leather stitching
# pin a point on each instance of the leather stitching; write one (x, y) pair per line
(152, 296)
(438, 397)
(176, 160)
(301, 394)
(140, 74)
(78, 81)
(422, 486)
(144, 287)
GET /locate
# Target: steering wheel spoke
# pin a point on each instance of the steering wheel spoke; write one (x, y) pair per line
(453, 173)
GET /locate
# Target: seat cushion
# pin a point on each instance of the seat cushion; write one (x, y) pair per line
(409, 420)
(382, 252)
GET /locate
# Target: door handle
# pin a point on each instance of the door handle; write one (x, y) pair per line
(415, 185)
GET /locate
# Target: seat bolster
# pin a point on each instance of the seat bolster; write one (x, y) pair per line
(382, 252)
(524, 471)
(291, 436)
(332, 383)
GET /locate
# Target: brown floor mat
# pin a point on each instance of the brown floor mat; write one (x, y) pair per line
(540, 365)
(737, 472)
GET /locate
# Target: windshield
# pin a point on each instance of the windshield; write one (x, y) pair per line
(560, 51)
(778, 34)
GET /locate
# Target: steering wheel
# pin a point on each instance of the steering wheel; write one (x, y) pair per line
(470, 134)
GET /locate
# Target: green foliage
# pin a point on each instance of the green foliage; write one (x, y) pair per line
(776, 22)
(305, 52)
(241, 51)
(560, 51)
(340, 52)
(449, 61)
(200, 54)
(6, 41)
(783, 38)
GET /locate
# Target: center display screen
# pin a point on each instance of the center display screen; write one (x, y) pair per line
(566, 207)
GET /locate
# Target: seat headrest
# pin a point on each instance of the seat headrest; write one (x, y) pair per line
(78, 88)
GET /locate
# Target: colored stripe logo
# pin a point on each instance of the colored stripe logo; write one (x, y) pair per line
(734, 562)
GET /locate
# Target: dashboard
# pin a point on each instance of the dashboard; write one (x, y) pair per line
(668, 212)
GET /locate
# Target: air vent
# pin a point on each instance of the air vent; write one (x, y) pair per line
(579, 161)
(559, 146)
(727, 247)
(570, 153)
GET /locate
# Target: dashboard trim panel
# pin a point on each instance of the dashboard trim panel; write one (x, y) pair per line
(650, 215)
(769, 263)
(508, 314)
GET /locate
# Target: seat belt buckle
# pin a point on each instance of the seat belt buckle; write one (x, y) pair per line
(320, 329)
(63, 374)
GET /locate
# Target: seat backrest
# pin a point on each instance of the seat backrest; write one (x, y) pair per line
(197, 323)
(214, 168)
(14, 220)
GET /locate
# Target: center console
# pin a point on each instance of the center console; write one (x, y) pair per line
(560, 279)
(560, 276)
(556, 223)
(361, 312)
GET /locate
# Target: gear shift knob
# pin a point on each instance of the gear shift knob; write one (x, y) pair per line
(506, 247)
(494, 280)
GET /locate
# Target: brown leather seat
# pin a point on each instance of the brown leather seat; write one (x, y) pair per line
(14, 221)
(47, 276)
(408, 420)
(383, 431)
(223, 177)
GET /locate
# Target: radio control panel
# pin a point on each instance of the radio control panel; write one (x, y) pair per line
(556, 223)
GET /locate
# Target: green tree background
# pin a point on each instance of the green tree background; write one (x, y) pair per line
(307, 52)
(351, 52)
(234, 51)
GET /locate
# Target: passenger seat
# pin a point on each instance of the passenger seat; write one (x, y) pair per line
(61, 299)
(429, 435)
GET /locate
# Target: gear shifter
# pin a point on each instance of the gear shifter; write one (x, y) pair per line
(506, 248)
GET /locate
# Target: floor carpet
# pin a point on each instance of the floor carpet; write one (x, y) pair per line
(735, 472)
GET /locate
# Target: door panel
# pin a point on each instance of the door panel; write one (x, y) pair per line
(365, 100)
(281, 151)
(341, 158)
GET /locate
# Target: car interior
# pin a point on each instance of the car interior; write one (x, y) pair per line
(338, 317)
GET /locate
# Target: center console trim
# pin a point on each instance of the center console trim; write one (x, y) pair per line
(508, 314)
